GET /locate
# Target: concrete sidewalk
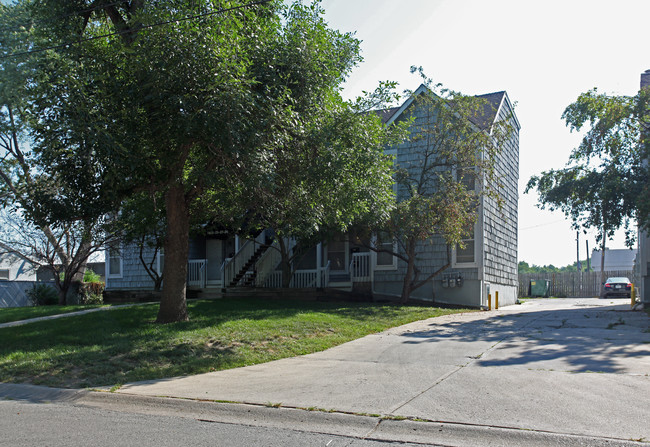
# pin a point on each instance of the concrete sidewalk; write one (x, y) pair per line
(68, 314)
(569, 366)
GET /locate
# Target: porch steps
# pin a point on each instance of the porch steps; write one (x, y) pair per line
(340, 278)
(244, 273)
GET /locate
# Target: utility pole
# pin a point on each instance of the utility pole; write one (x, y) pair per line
(588, 257)
(578, 249)
(578, 267)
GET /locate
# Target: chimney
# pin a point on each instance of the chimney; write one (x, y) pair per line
(645, 79)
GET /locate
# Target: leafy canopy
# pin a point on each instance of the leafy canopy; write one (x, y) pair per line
(604, 184)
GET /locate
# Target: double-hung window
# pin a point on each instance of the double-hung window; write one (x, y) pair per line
(114, 258)
(386, 246)
(467, 253)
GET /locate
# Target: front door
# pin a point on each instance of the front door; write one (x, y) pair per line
(338, 254)
(214, 255)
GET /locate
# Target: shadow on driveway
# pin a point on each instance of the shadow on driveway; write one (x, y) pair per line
(577, 338)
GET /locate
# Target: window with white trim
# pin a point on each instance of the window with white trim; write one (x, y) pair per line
(466, 255)
(114, 258)
(467, 176)
(385, 259)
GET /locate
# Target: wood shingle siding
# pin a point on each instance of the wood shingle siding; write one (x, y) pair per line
(500, 225)
(133, 275)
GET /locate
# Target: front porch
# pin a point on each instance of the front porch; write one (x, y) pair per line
(233, 273)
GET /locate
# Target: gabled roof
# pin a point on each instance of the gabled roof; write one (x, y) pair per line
(495, 102)
(490, 109)
(386, 114)
(422, 88)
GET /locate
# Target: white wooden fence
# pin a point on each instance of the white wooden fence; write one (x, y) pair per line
(196, 269)
(360, 267)
(302, 279)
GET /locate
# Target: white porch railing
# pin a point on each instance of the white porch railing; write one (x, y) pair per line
(245, 253)
(273, 280)
(302, 279)
(360, 267)
(324, 276)
(196, 272)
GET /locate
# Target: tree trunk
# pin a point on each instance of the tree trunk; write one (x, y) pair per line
(64, 287)
(63, 294)
(157, 284)
(77, 277)
(407, 285)
(173, 306)
(285, 262)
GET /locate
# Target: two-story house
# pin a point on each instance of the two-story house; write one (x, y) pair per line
(486, 264)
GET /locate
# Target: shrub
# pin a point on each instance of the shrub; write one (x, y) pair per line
(92, 292)
(43, 295)
(93, 298)
(90, 276)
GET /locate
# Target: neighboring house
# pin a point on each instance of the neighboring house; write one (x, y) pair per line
(17, 276)
(487, 264)
(45, 274)
(615, 259)
(16, 267)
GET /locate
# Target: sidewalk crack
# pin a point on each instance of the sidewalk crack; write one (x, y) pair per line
(473, 359)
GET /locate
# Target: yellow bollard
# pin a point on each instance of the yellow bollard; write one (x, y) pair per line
(489, 302)
(496, 300)
(632, 296)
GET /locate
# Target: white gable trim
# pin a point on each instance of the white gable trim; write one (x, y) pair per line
(505, 101)
(422, 88)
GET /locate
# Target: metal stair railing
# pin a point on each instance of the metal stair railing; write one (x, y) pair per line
(239, 262)
(267, 264)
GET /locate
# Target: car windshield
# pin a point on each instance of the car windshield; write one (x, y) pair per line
(618, 280)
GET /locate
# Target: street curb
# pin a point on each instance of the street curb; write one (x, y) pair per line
(359, 426)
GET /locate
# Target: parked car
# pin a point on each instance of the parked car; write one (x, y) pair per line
(617, 286)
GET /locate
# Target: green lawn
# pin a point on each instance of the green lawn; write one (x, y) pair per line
(8, 314)
(123, 345)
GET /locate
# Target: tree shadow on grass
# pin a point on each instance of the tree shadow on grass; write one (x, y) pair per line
(124, 345)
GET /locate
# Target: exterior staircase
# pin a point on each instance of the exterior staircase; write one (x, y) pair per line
(244, 277)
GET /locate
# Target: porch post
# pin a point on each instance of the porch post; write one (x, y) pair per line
(319, 264)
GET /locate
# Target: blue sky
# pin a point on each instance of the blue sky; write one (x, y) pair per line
(544, 54)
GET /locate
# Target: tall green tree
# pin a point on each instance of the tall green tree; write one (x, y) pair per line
(604, 185)
(178, 98)
(330, 173)
(63, 247)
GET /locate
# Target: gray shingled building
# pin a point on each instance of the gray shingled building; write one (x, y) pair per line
(488, 264)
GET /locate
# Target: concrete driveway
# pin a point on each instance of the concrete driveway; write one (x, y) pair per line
(570, 366)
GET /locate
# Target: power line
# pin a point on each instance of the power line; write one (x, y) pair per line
(143, 27)
(542, 224)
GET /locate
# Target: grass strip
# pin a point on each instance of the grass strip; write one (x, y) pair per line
(124, 345)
